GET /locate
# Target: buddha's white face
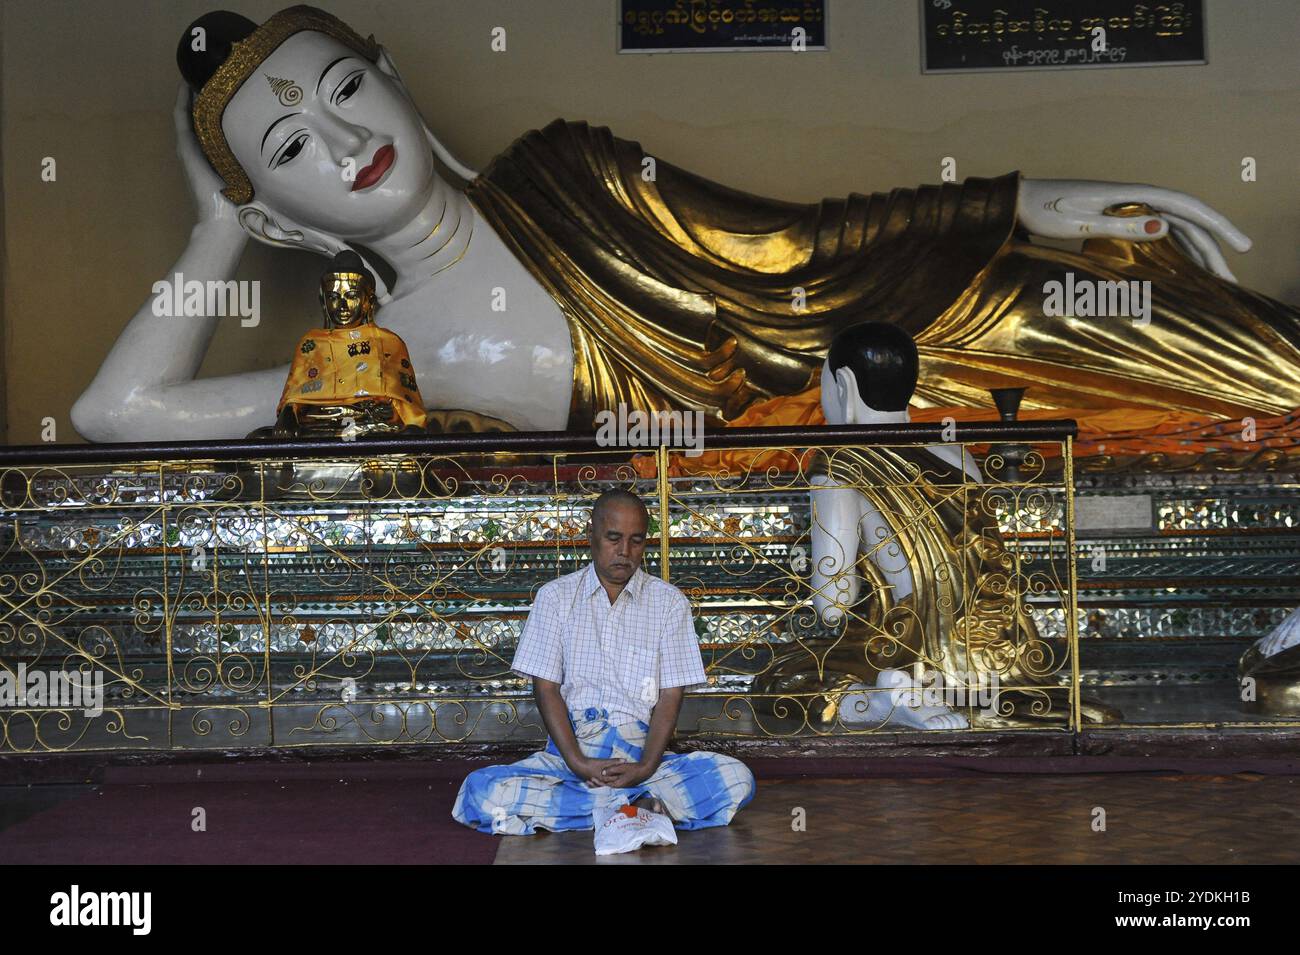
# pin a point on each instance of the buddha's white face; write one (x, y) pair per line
(330, 140)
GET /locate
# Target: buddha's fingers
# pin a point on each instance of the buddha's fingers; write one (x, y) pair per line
(1186, 207)
(181, 111)
(204, 184)
(1193, 238)
(1187, 246)
(1133, 228)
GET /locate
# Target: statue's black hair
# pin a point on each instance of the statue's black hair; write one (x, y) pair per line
(220, 30)
(883, 359)
(349, 261)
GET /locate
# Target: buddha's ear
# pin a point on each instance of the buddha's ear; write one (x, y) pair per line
(389, 69)
(259, 223)
(846, 389)
(274, 229)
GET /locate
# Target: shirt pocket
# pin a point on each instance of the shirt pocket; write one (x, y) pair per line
(641, 673)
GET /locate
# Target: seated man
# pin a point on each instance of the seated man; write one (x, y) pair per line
(610, 650)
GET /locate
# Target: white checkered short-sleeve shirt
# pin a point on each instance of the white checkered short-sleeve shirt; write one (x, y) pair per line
(615, 657)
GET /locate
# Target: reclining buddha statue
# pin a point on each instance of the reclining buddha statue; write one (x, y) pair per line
(576, 272)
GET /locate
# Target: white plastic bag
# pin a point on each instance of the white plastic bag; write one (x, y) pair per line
(627, 828)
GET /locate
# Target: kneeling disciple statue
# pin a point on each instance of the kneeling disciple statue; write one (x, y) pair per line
(910, 568)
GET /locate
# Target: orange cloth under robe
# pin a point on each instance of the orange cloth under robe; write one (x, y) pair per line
(1115, 431)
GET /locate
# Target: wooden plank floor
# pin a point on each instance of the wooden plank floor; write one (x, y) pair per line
(1150, 819)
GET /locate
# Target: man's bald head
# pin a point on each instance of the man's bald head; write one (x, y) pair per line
(615, 498)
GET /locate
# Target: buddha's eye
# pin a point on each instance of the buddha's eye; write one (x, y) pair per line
(348, 87)
(290, 150)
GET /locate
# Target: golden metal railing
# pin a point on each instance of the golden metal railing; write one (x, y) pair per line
(237, 594)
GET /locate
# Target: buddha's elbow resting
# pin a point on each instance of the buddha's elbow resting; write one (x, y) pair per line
(91, 417)
(101, 417)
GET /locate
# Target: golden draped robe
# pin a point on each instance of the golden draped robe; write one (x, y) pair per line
(339, 367)
(681, 293)
(967, 616)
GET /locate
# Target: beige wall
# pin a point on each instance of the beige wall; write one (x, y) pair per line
(92, 84)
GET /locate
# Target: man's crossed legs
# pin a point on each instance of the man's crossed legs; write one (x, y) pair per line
(696, 790)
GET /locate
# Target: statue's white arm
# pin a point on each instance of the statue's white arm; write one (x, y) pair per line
(146, 385)
(1073, 209)
(844, 522)
(834, 539)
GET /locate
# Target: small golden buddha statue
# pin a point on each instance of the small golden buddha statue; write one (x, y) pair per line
(351, 377)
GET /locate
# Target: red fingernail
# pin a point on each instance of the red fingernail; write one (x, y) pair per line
(1152, 226)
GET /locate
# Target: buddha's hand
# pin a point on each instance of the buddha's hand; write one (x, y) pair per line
(1076, 209)
(215, 211)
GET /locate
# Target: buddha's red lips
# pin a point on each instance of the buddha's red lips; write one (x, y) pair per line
(378, 166)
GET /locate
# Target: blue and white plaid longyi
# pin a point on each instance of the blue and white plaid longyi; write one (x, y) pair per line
(698, 790)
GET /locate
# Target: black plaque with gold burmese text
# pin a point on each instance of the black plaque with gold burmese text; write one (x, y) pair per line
(965, 35)
(699, 26)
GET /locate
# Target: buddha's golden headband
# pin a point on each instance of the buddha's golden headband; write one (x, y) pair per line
(245, 57)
